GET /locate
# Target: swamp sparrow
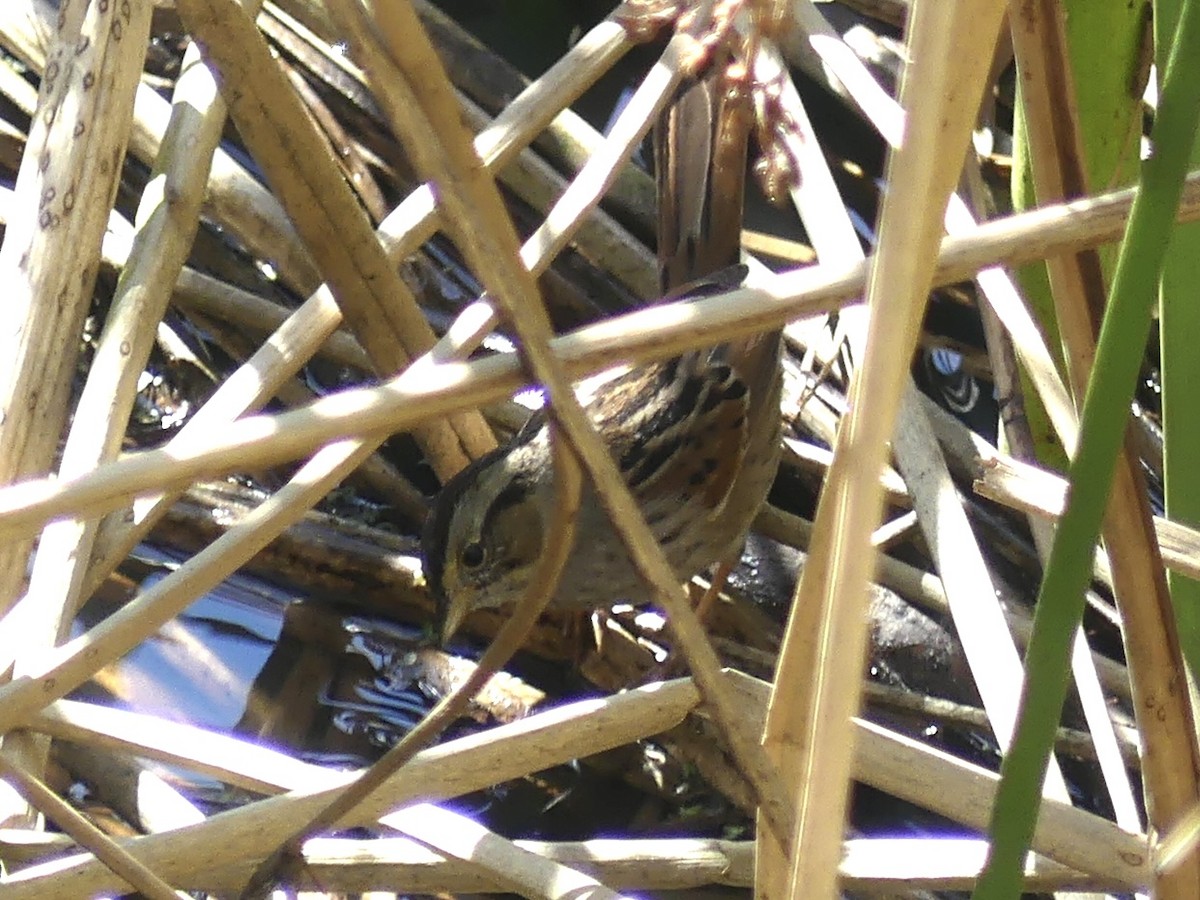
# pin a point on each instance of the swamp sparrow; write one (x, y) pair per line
(695, 437)
(697, 441)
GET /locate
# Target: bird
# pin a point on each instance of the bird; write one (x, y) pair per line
(695, 437)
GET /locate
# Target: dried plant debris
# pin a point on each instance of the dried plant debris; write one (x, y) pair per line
(251, 626)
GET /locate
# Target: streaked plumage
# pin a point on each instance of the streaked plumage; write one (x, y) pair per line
(697, 440)
(696, 437)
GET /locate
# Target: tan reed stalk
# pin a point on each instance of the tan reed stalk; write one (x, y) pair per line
(644, 335)
(48, 263)
(299, 164)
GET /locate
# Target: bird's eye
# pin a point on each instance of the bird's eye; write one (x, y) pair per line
(472, 555)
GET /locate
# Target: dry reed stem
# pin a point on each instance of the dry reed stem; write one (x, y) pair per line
(994, 283)
(376, 473)
(815, 195)
(875, 866)
(337, 864)
(815, 459)
(821, 209)
(604, 165)
(126, 867)
(1004, 301)
(510, 866)
(896, 530)
(508, 751)
(49, 260)
(1181, 840)
(250, 312)
(354, 167)
(870, 865)
(233, 198)
(52, 244)
(891, 762)
(656, 333)
(1059, 172)
(577, 201)
(974, 605)
(842, 67)
(662, 864)
(299, 164)
(1008, 389)
(1040, 492)
(812, 730)
(409, 225)
(1071, 742)
(476, 218)
(167, 219)
(1171, 763)
(975, 609)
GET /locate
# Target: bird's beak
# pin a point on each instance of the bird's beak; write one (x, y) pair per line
(456, 611)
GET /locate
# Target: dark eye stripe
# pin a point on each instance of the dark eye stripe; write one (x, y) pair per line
(517, 492)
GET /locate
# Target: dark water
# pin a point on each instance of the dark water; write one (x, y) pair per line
(334, 687)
